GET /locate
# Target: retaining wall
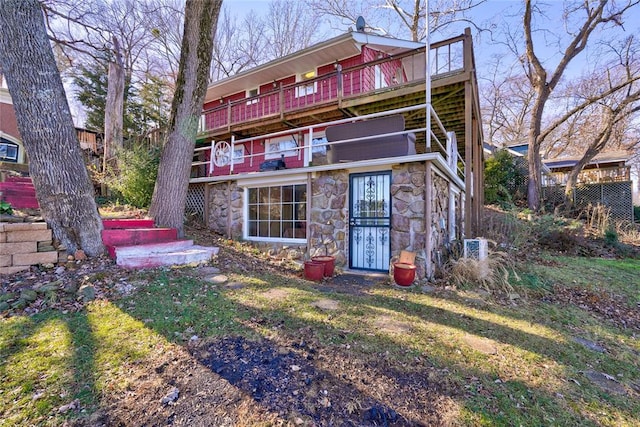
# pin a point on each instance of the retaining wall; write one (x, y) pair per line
(23, 245)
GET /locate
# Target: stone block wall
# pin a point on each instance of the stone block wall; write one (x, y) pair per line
(408, 213)
(23, 245)
(439, 222)
(225, 199)
(329, 215)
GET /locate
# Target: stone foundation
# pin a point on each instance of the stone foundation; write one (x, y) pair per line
(23, 245)
(225, 209)
(408, 213)
(329, 215)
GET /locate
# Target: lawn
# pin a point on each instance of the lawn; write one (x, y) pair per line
(265, 347)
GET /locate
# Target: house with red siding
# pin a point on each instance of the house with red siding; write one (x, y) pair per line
(336, 150)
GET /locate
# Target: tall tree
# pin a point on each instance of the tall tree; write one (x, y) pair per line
(590, 16)
(170, 193)
(62, 183)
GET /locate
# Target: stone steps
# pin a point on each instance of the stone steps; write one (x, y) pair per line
(135, 243)
(20, 192)
(179, 252)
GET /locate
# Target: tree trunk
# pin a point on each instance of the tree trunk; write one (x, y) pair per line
(60, 177)
(170, 193)
(114, 107)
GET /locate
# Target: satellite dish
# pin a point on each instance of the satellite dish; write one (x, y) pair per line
(360, 24)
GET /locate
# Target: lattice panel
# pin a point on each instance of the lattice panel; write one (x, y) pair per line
(195, 200)
(614, 195)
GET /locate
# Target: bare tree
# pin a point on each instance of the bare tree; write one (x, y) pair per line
(397, 17)
(170, 194)
(62, 184)
(581, 20)
(290, 28)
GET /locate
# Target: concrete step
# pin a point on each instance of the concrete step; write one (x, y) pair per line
(137, 236)
(155, 255)
(172, 245)
(127, 223)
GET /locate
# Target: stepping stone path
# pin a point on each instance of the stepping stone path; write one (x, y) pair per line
(605, 382)
(326, 304)
(276, 294)
(589, 344)
(483, 345)
(388, 324)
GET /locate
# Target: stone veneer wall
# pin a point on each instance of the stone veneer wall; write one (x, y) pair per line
(220, 209)
(23, 245)
(408, 213)
(439, 216)
(329, 215)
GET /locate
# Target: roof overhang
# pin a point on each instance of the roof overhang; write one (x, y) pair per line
(327, 52)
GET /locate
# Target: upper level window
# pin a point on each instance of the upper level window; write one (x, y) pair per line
(276, 147)
(380, 81)
(252, 94)
(238, 154)
(307, 89)
(8, 152)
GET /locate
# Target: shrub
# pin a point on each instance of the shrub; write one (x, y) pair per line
(136, 176)
(5, 208)
(504, 179)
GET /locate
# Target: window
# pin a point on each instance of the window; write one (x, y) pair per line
(276, 147)
(380, 81)
(238, 154)
(277, 212)
(308, 89)
(8, 152)
(251, 93)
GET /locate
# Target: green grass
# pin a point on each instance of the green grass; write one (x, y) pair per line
(534, 378)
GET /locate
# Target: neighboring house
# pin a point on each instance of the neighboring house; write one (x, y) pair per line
(14, 160)
(609, 166)
(326, 151)
(11, 148)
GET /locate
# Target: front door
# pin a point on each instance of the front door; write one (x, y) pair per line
(370, 221)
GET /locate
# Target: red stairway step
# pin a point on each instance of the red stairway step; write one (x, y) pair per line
(127, 223)
(18, 179)
(138, 236)
(19, 202)
(18, 192)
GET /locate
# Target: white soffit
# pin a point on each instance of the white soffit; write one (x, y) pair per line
(330, 51)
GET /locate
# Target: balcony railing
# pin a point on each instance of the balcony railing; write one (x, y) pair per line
(303, 154)
(342, 84)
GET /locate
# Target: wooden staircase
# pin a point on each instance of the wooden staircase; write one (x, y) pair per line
(19, 191)
(136, 243)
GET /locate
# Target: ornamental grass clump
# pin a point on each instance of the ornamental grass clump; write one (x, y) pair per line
(492, 274)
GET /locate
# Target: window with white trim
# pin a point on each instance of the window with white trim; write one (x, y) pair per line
(238, 154)
(8, 152)
(380, 81)
(277, 212)
(276, 147)
(308, 89)
(250, 94)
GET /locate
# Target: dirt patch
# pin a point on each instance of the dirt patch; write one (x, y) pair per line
(295, 382)
(604, 305)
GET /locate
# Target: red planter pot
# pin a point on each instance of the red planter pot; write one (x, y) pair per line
(313, 271)
(404, 274)
(328, 262)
